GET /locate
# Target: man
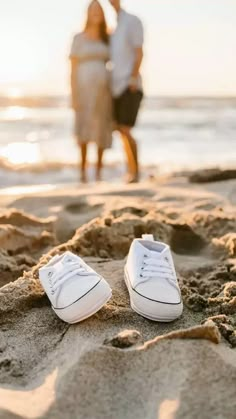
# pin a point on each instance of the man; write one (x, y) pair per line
(127, 55)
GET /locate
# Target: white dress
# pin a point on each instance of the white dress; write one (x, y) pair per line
(93, 120)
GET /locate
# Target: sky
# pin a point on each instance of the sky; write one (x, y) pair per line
(190, 45)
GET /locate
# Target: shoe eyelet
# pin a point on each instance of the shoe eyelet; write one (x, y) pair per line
(145, 256)
(141, 276)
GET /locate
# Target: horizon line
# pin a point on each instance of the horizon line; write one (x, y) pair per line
(148, 96)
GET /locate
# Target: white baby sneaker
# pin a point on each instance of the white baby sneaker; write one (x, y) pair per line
(75, 290)
(151, 280)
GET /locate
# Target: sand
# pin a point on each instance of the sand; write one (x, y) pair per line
(117, 364)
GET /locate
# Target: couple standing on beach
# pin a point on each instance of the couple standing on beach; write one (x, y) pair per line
(99, 102)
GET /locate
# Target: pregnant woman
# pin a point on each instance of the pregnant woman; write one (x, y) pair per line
(90, 87)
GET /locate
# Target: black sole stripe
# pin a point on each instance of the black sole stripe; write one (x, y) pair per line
(63, 308)
(150, 299)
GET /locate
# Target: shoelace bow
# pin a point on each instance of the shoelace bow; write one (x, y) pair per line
(70, 270)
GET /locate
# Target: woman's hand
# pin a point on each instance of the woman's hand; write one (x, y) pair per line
(133, 84)
(75, 104)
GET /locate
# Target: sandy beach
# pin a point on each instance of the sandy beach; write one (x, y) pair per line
(118, 364)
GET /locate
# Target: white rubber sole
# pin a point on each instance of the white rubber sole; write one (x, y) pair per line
(87, 305)
(150, 309)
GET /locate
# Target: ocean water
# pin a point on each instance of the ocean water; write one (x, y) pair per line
(172, 134)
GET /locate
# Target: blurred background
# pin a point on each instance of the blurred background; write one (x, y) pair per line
(188, 117)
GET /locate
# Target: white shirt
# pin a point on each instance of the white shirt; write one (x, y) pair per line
(127, 37)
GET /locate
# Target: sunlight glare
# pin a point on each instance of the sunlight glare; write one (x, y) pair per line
(13, 113)
(20, 153)
(14, 93)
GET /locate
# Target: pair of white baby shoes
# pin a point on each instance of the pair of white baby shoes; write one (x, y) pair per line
(77, 292)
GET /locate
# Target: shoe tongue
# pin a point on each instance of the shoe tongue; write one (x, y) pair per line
(69, 257)
(148, 237)
(154, 249)
(156, 254)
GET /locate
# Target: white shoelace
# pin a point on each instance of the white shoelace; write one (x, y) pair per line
(70, 270)
(155, 268)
